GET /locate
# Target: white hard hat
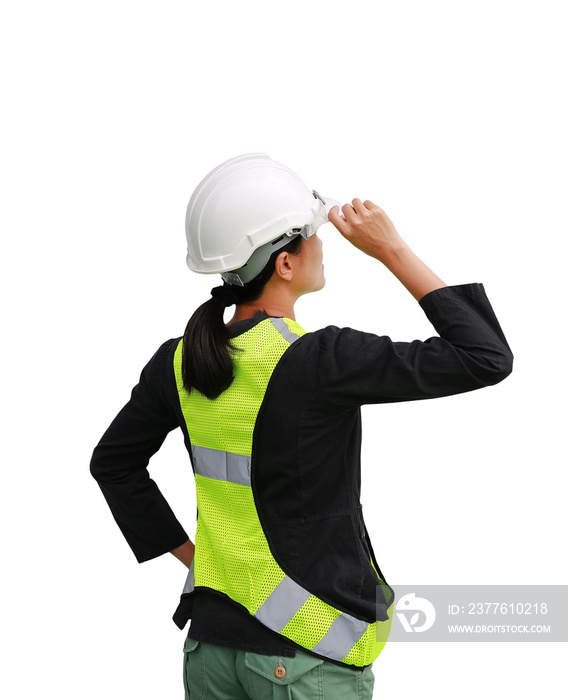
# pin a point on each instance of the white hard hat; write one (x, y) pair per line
(244, 210)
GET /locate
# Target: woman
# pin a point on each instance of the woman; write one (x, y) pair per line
(283, 590)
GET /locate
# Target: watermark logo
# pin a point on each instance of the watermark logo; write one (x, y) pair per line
(410, 603)
(476, 613)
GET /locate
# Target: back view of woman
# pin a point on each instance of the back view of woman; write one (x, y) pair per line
(284, 593)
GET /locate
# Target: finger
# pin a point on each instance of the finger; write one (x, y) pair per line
(348, 212)
(334, 215)
(358, 206)
(371, 205)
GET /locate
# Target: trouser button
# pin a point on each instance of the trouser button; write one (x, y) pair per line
(280, 671)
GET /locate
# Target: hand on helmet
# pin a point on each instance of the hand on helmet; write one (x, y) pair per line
(367, 227)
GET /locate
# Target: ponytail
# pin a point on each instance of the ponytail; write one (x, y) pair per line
(207, 363)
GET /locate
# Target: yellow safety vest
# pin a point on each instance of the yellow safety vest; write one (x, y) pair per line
(232, 554)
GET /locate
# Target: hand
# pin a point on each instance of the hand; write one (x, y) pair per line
(185, 552)
(367, 227)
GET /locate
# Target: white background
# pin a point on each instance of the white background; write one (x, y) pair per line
(452, 117)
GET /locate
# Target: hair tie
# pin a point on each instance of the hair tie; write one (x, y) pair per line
(226, 293)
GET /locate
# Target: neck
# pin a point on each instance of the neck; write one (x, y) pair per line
(249, 310)
(274, 304)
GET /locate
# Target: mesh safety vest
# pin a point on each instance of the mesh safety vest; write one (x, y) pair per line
(232, 554)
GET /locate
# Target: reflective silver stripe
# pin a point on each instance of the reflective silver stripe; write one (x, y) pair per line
(282, 327)
(189, 581)
(282, 604)
(225, 466)
(340, 637)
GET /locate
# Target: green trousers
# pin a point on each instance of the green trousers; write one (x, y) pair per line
(217, 673)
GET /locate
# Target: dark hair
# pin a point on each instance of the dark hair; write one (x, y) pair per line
(207, 364)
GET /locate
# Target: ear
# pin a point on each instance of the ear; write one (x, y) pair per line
(283, 266)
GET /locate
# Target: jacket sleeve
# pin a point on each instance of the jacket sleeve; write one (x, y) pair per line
(471, 352)
(119, 463)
